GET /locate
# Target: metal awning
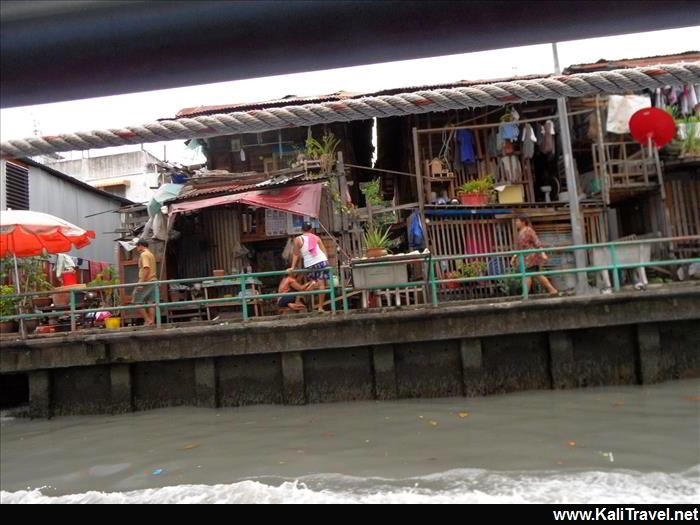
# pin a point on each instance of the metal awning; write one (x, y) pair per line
(299, 200)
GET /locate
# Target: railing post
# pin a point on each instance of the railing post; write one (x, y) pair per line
(342, 288)
(616, 271)
(433, 288)
(332, 289)
(243, 294)
(73, 325)
(157, 305)
(523, 276)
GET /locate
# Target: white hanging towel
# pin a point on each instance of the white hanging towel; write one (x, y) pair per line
(620, 110)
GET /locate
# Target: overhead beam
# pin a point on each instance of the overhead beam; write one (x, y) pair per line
(56, 51)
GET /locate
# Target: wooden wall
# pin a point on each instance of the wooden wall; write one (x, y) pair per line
(683, 204)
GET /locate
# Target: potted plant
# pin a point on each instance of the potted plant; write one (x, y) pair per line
(36, 281)
(376, 241)
(689, 132)
(323, 151)
(475, 192)
(8, 307)
(109, 298)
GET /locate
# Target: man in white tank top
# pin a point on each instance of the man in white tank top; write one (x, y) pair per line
(309, 248)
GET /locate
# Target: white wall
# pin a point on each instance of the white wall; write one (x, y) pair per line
(137, 167)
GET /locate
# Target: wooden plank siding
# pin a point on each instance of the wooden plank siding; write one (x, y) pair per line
(473, 235)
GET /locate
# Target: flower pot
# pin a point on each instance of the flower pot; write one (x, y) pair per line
(7, 327)
(42, 302)
(113, 323)
(376, 252)
(474, 199)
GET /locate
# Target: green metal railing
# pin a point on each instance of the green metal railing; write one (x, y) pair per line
(432, 282)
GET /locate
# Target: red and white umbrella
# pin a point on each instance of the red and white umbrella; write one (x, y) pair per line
(31, 233)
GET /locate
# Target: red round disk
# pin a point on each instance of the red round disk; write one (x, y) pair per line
(654, 123)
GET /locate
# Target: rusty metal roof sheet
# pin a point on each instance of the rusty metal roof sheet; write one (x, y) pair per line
(603, 64)
(341, 95)
(289, 100)
(239, 187)
(344, 95)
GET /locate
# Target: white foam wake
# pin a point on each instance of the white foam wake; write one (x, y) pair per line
(455, 486)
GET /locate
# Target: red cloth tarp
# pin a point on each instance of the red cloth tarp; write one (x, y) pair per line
(300, 200)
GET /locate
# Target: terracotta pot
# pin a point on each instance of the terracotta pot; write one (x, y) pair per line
(376, 252)
(42, 302)
(474, 199)
(8, 327)
(219, 273)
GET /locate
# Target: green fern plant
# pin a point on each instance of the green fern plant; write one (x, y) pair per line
(484, 185)
(323, 150)
(376, 238)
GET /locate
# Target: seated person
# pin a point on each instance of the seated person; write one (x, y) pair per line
(292, 302)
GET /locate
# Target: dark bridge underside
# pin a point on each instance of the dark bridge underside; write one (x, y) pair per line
(58, 50)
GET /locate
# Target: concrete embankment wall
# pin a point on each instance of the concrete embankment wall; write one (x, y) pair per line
(470, 350)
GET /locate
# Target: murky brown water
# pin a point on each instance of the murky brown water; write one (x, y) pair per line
(601, 444)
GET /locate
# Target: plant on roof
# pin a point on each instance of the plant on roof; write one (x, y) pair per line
(483, 185)
(323, 150)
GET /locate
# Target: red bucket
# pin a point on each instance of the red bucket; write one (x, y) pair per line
(69, 278)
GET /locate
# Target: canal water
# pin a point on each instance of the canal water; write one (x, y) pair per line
(627, 444)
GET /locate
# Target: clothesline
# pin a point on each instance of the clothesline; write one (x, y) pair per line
(497, 124)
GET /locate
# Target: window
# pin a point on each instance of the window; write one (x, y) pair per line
(16, 187)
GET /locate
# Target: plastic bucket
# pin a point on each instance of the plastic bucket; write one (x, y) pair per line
(69, 278)
(113, 323)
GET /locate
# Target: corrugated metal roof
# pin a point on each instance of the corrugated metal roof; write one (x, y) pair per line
(603, 64)
(239, 187)
(449, 85)
(343, 95)
(289, 100)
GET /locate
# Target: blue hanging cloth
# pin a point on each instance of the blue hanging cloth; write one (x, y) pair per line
(416, 236)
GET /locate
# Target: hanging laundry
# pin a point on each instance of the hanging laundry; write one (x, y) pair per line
(97, 267)
(671, 95)
(658, 99)
(416, 234)
(491, 146)
(516, 169)
(510, 169)
(692, 97)
(529, 139)
(465, 137)
(548, 132)
(509, 131)
(685, 102)
(64, 264)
